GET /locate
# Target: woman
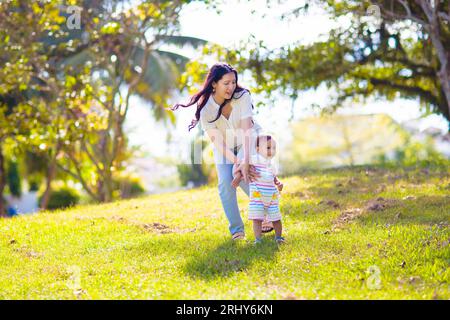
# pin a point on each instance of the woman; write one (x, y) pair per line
(225, 111)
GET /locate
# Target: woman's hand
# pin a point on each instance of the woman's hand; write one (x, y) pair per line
(244, 167)
(252, 175)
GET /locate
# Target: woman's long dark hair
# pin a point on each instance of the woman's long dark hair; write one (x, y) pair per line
(216, 73)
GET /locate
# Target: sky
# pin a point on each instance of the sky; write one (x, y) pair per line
(235, 23)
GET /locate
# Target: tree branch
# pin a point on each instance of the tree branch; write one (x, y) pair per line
(427, 95)
(77, 177)
(426, 7)
(90, 156)
(392, 15)
(444, 16)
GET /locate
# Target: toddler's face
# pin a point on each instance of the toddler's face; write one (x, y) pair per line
(267, 148)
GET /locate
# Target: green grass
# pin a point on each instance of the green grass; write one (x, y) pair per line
(177, 246)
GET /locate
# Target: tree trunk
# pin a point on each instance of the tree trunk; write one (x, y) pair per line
(104, 188)
(104, 185)
(108, 188)
(51, 172)
(101, 195)
(2, 182)
(443, 74)
(435, 34)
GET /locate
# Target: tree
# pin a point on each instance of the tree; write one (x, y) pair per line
(65, 93)
(195, 171)
(14, 181)
(390, 49)
(19, 67)
(32, 91)
(124, 52)
(341, 140)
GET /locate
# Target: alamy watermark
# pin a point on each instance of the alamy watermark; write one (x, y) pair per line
(373, 282)
(74, 281)
(233, 140)
(374, 10)
(73, 21)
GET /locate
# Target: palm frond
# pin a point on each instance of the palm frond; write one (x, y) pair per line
(181, 41)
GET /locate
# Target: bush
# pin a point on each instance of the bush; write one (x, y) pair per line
(13, 178)
(129, 186)
(33, 185)
(62, 198)
(418, 154)
(194, 173)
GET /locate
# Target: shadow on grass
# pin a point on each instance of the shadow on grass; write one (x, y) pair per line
(229, 258)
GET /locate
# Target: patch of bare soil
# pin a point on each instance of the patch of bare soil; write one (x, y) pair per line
(155, 227)
(351, 214)
(330, 203)
(380, 204)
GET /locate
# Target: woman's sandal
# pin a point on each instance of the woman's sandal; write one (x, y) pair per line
(267, 226)
(238, 236)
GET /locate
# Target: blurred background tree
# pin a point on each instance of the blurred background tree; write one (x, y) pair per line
(195, 173)
(65, 91)
(351, 140)
(385, 49)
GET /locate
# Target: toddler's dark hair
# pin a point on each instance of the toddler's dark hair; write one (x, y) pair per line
(268, 138)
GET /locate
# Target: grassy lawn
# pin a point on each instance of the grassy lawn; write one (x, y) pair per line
(352, 234)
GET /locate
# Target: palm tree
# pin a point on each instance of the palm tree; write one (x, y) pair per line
(133, 65)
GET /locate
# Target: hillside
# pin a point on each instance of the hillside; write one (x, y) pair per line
(352, 234)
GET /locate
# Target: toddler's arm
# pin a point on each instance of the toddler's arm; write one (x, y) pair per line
(237, 179)
(278, 183)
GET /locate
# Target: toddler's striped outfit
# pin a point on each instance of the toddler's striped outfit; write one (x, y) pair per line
(263, 192)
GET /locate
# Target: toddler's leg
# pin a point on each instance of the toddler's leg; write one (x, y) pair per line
(278, 228)
(257, 228)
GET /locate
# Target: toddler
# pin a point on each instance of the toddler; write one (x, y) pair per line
(264, 191)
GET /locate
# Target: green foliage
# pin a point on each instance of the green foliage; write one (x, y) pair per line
(65, 93)
(129, 186)
(415, 153)
(62, 197)
(34, 185)
(195, 173)
(168, 182)
(191, 173)
(339, 140)
(13, 179)
(35, 163)
(391, 56)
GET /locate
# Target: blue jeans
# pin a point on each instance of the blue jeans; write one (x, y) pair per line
(227, 193)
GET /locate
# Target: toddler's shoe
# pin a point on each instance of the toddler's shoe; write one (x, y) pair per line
(280, 240)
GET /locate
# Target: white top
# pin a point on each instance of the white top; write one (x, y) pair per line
(257, 159)
(229, 128)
